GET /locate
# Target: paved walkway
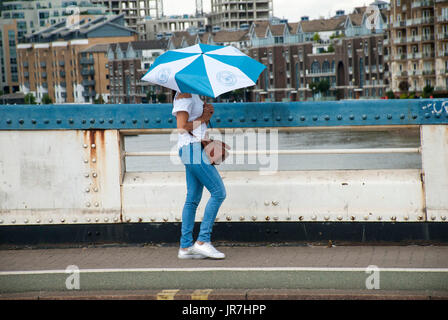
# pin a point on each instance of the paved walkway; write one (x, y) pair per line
(303, 271)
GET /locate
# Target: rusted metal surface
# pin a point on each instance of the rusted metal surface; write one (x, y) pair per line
(53, 177)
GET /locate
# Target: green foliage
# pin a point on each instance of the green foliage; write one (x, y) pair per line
(427, 91)
(316, 37)
(100, 100)
(390, 94)
(323, 86)
(404, 96)
(30, 98)
(161, 97)
(46, 99)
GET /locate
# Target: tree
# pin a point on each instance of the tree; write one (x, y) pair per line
(161, 97)
(313, 87)
(390, 94)
(30, 98)
(428, 90)
(316, 37)
(323, 86)
(100, 100)
(46, 99)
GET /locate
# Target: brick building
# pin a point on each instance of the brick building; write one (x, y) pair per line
(418, 37)
(128, 62)
(54, 62)
(300, 55)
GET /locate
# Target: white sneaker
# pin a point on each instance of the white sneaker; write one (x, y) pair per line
(207, 250)
(189, 254)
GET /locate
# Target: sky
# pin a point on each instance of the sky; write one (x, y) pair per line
(289, 9)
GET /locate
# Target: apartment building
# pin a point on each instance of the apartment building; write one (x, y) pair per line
(9, 78)
(133, 10)
(128, 62)
(231, 14)
(152, 29)
(55, 60)
(32, 15)
(418, 36)
(19, 18)
(300, 55)
(238, 38)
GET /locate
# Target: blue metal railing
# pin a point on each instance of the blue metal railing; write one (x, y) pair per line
(228, 115)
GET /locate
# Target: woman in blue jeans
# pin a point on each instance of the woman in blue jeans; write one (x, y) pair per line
(193, 116)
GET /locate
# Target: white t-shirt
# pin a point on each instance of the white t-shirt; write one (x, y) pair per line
(194, 106)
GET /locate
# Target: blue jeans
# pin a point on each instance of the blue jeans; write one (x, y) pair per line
(199, 173)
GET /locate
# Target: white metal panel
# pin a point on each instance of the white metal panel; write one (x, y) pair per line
(435, 167)
(59, 177)
(368, 195)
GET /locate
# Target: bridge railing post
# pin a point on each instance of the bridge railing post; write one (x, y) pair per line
(434, 140)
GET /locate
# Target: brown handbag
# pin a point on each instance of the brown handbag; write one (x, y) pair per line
(216, 150)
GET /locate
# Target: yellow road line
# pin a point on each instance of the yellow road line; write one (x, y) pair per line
(201, 294)
(167, 294)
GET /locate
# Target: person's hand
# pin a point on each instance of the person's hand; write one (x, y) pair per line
(208, 111)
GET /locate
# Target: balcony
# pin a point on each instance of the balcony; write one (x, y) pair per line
(88, 83)
(443, 54)
(415, 73)
(414, 39)
(415, 55)
(428, 54)
(442, 18)
(399, 24)
(422, 4)
(89, 93)
(399, 40)
(427, 20)
(429, 72)
(86, 61)
(428, 37)
(87, 72)
(322, 73)
(442, 36)
(400, 57)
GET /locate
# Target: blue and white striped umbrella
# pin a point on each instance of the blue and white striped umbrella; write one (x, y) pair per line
(205, 70)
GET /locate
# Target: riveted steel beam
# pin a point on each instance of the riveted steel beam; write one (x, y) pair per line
(228, 115)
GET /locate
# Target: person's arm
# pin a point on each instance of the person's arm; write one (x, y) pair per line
(189, 126)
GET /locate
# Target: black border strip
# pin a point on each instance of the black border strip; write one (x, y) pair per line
(234, 232)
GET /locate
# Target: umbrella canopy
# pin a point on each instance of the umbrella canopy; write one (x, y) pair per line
(205, 70)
